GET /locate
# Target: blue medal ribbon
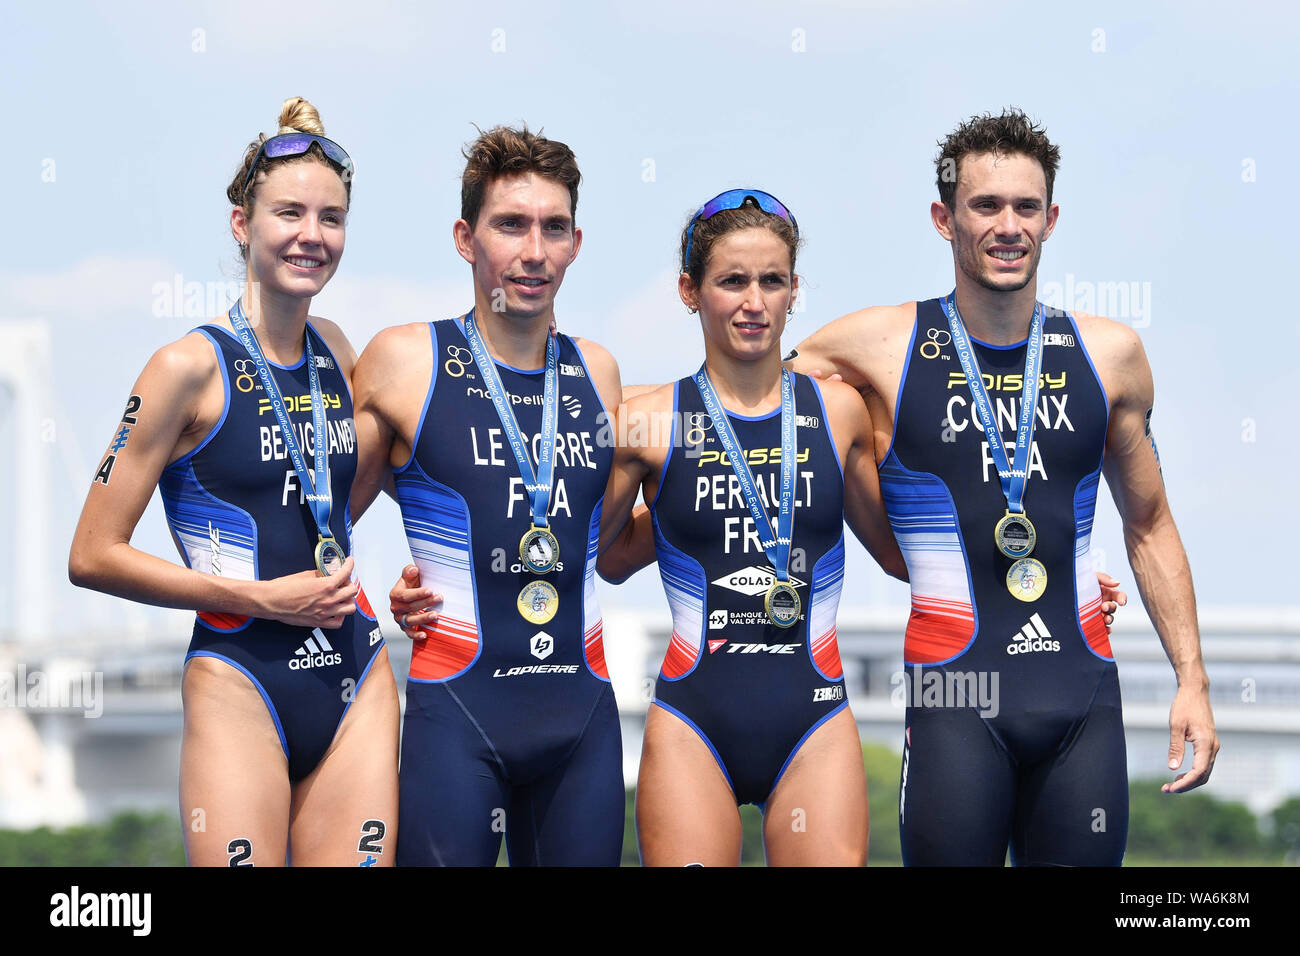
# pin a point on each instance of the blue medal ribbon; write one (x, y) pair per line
(1014, 475)
(776, 546)
(320, 501)
(537, 485)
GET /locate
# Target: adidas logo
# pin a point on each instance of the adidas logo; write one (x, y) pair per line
(1033, 637)
(315, 652)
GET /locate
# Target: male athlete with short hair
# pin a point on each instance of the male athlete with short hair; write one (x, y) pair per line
(995, 417)
(491, 428)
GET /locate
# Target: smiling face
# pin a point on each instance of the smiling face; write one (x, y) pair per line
(745, 293)
(295, 232)
(999, 220)
(522, 244)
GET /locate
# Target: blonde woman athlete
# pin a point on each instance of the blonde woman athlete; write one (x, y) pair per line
(245, 425)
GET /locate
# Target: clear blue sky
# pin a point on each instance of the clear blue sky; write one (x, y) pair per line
(1175, 121)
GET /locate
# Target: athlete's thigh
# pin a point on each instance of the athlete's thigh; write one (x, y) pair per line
(685, 810)
(817, 814)
(575, 815)
(234, 775)
(958, 790)
(452, 795)
(1074, 811)
(344, 813)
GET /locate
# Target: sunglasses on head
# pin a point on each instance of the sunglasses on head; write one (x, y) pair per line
(295, 144)
(734, 199)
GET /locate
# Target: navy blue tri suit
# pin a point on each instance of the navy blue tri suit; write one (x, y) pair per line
(754, 692)
(1014, 733)
(510, 726)
(235, 509)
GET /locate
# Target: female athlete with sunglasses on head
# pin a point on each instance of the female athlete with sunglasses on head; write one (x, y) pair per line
(245, 425)
(749, 491)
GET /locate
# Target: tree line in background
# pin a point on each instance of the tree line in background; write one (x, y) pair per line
(1163, 829)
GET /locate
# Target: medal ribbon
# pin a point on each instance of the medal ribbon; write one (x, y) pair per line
(320, 502)
(777, 547)
(537, 485)
(1013, 475)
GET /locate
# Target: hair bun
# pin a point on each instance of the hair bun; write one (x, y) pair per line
(297, 115)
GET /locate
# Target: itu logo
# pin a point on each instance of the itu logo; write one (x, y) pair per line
(936, 341)
(458, 360)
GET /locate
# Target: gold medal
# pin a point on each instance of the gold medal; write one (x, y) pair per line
(329, 556)
(539, 550)
(782, 604)
(1015, 536)
(538, 602)
(1027, 579)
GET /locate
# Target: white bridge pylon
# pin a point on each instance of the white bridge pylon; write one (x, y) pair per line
(25, 372)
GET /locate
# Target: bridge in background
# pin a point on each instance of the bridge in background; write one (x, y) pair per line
(101, 734)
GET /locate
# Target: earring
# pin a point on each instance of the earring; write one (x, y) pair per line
(790, 311)
(691, 311)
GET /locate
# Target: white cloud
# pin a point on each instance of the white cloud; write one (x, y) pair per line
(95, 286)
(363, 305)
(649, 332)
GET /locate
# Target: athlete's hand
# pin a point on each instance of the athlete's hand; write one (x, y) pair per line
(310, 599)
(415, 608)
(1190, 718)
(1112, 598)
